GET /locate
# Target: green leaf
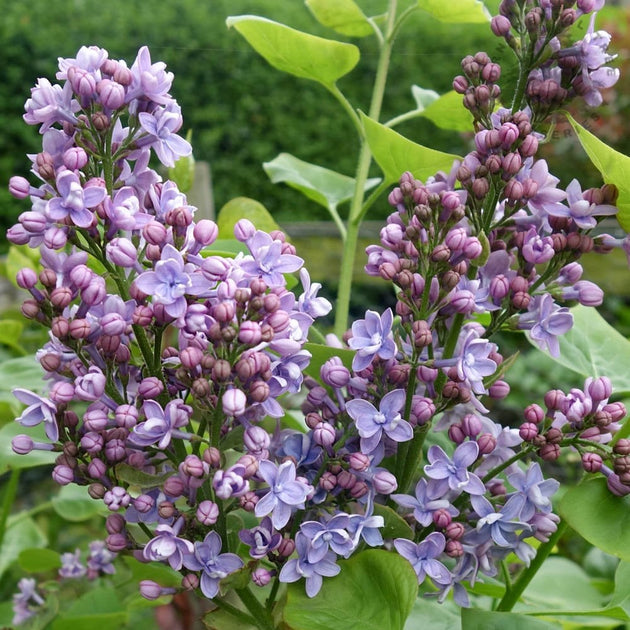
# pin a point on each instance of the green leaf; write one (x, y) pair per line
(446, 111)
(594, 348)
(599, 516)
(475, 619)
(321, 353)
(321, 185)
(138, 478)
(22, 533)
(73, 503)
(99, 608)
(9, 459)
(160, 573)
(613, 166)
(395, 525)
(428, 613)
(226, 247)
(300, 54)
(562, 588)
(343, 16)
(20, 256)
(457, 11)
(395, 154)
(25, 372)
(375, 590)
(10, 331)
(39, 560)
(622, 585)
(244, 208)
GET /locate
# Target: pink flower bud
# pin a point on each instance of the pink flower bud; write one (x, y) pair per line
(234, 402)
(150, 387)
(384, 482)
(22, 444)
(19, 187)
(207, 513)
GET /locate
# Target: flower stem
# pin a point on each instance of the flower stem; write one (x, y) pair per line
(518, 587)
(262, 617)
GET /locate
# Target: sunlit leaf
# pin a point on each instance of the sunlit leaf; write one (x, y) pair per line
(375, 590)
(183, 173)
(457, 11)
(321, 353)
(300, 54)
(39, 560)
(343, 16)
(98, 608)
(594, 348)
(475, 619)
(395, 154)
(446, 111)
(325, 187)
(244, 208)
(613, 166)
(73, 503)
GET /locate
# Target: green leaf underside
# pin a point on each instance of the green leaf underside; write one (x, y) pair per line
(447, 112)
(594, 348)
(73, 503)
(22, 533)
(475, 619)
(599, 516)
(9, 459)
(300, 54)
(456, 11)
(613, 166)
(321, 185)
(243, 208)
(343, 16)
(375, 590)
(395, 154)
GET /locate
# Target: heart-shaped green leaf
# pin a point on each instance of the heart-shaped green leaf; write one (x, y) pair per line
(375, 590)
(300, 54)
(613, 166)
(243, 208)
(395, 154)
(457, 11)
(343, 16)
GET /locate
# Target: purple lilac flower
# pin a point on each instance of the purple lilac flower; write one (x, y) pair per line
(269, 263)
(372, 423)
(149, 80)
(161, 424)
(39, 409)
(50, 104)
(231, 482)
(423, 557)
(499, 526)
(472, 359)
(167, 546)
(535, 489)
(545, 321)
(367, 528)
(371, 337)
(22, 607)
(123, 211)
(548, 197)
(428, 499)
(74, 200)
(261, 539)
(299, 567)
(453, 473)
(71, 566)
(100, 558)
(285, 493)
(308, 302)
(583, 211)
(206, 557)
(169, 282)
(162, 126)
(332, 534)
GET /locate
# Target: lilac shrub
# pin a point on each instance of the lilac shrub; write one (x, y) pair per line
(168, 363)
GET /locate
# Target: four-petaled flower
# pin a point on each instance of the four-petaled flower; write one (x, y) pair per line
(372, 423)
(161, 424)
(371, 337)
(453, 473)
(39, 409)
(268, 260)
(422, 557)
(535, 489)
(214, 565)
(285, 492)
(429, 498)
(74, 200)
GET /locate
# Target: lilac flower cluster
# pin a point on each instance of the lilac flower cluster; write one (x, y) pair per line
(167, 370)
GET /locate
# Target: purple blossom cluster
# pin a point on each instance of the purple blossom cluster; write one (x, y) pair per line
(169, 370)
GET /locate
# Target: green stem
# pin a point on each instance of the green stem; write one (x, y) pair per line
(518, 587)
(347, 106)
(259, 612)
(9, 498)
(235, 612)
(271, 600)
(363, 167)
